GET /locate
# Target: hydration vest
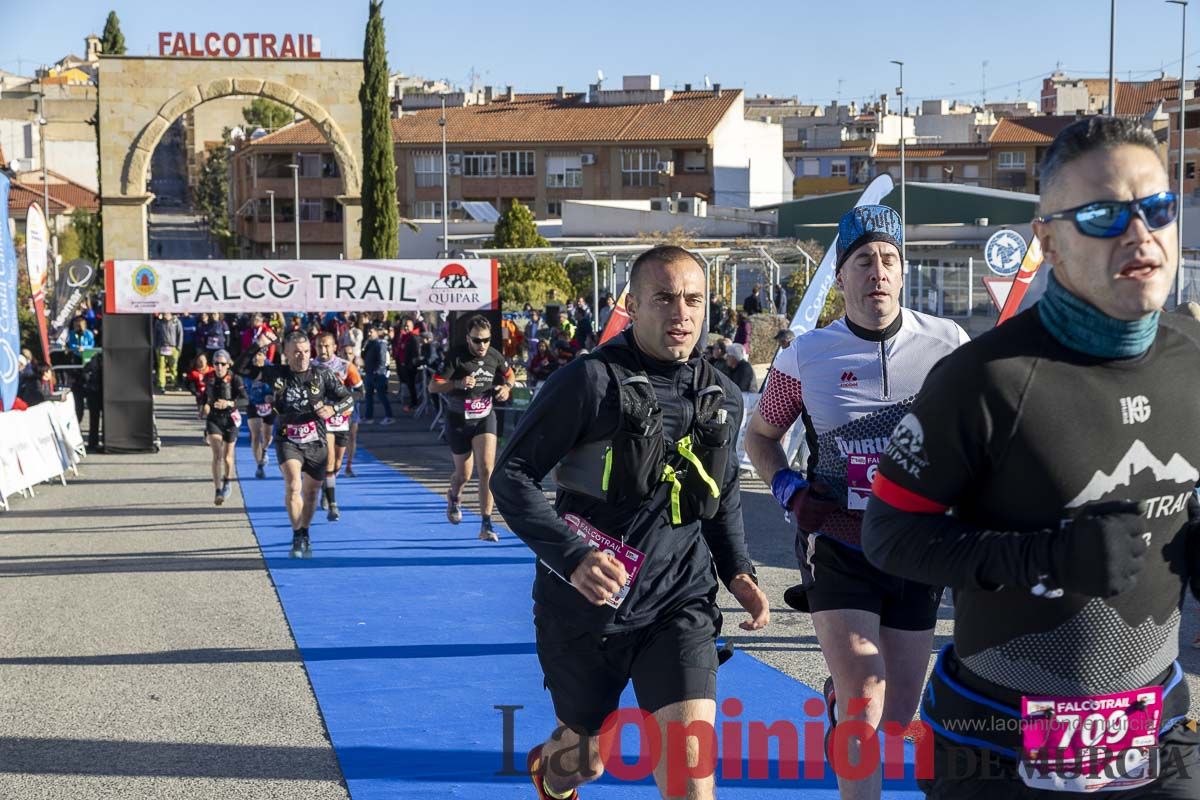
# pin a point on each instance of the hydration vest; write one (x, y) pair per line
(636, 461)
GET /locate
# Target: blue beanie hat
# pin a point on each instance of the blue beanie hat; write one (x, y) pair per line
(865, 224)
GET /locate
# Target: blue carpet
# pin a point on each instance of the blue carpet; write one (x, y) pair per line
(413, 632)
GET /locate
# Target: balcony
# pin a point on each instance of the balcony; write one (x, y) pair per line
(310, 232)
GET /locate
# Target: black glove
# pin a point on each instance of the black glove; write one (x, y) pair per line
(1102, 550)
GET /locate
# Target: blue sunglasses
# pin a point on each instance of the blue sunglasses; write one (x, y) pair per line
(1105, 219)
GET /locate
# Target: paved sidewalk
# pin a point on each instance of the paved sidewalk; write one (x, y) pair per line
(144, 653)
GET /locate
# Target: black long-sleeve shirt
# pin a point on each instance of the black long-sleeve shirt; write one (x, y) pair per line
(579, 405)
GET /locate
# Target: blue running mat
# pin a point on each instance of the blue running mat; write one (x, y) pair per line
(413, 631)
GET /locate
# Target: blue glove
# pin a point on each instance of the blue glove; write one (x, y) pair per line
(785, 484)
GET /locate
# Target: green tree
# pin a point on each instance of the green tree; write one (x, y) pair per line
(527, 279)
(266, 113)
(380, 213)
(212, 193)
(86, 227)
(112, 41)
(796, 285)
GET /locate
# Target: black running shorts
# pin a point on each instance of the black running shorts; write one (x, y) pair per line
(312, 456)
(341, 438)
(461, 431)
(672, 660)
(837, 576)
(221, 426)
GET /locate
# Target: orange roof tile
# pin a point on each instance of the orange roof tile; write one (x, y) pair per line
(63, 191)
(1138, 99)
(892, 151)
(20, 197)
(1029, 130)
(687, 116)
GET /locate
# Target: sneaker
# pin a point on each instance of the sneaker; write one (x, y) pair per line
(260, 472)
(453, 509)
(795, 597)
(366, 422)
(226, 489)
(387, 421)
(349, 472)
(333, 515)
(306, 547)
(534, 765)
(218, 498)
(297, 546)
(486, 532)
(323, 503)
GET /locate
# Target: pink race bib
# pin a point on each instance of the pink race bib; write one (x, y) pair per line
(263, 409)
(477, 407)
(337, 423)
(630, 558)
(302, 433)
(860, 472)
(1090, 744)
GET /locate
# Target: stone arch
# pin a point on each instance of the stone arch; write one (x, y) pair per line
(136, 169)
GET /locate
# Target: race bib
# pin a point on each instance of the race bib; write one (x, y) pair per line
(213, 342)
(167, 350)
(236, 416)
(860, 473)
(1090, 744)
(477, 407)
(302, 433)
(338, 423)
(263, 409)
(630, 558)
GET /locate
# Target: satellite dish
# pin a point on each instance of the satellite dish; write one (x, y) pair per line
(600, 75)
(707, 82)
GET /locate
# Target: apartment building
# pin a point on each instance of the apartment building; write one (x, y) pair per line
(634, 143)
(967, 164)
(1017, 145)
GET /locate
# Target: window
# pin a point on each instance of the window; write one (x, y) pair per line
(310, 164)
(517, 163)
(695, 161)
(837, 169)
(310, 210)
(427, 168)
(479, 165)
(639, 167)
(429, 209)
(1189, 170)
(812, 166)
(554, 209)
(329, 166)
(564, 172)
(1008, 160)
(970, 171)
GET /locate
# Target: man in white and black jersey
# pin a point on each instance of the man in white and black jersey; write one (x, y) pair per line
(337, 427)
(851, 382)
(1065, 442)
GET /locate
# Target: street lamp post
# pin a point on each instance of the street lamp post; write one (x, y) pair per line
(1182, 128)
(445, 185)
(1112, 49)
(295, 168)
(903, 172)
(271, 194)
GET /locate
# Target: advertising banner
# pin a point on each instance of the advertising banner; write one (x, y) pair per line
(148, 287)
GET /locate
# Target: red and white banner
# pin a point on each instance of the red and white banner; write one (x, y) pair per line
(37, 251)
(147, 287)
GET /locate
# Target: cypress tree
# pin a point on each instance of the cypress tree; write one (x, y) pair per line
(380, 218)
(112, 41)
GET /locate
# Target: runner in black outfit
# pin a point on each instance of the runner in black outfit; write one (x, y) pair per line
(305, 395)
(471, 379)
(1066, 444)
(223, 393)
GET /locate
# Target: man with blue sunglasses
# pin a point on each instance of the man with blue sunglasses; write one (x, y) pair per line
(1065, 445)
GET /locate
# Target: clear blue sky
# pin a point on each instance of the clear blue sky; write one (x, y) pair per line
(798, 48)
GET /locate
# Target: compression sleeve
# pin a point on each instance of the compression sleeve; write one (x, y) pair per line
(561, 413)
(337, 394)
(725, 533)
